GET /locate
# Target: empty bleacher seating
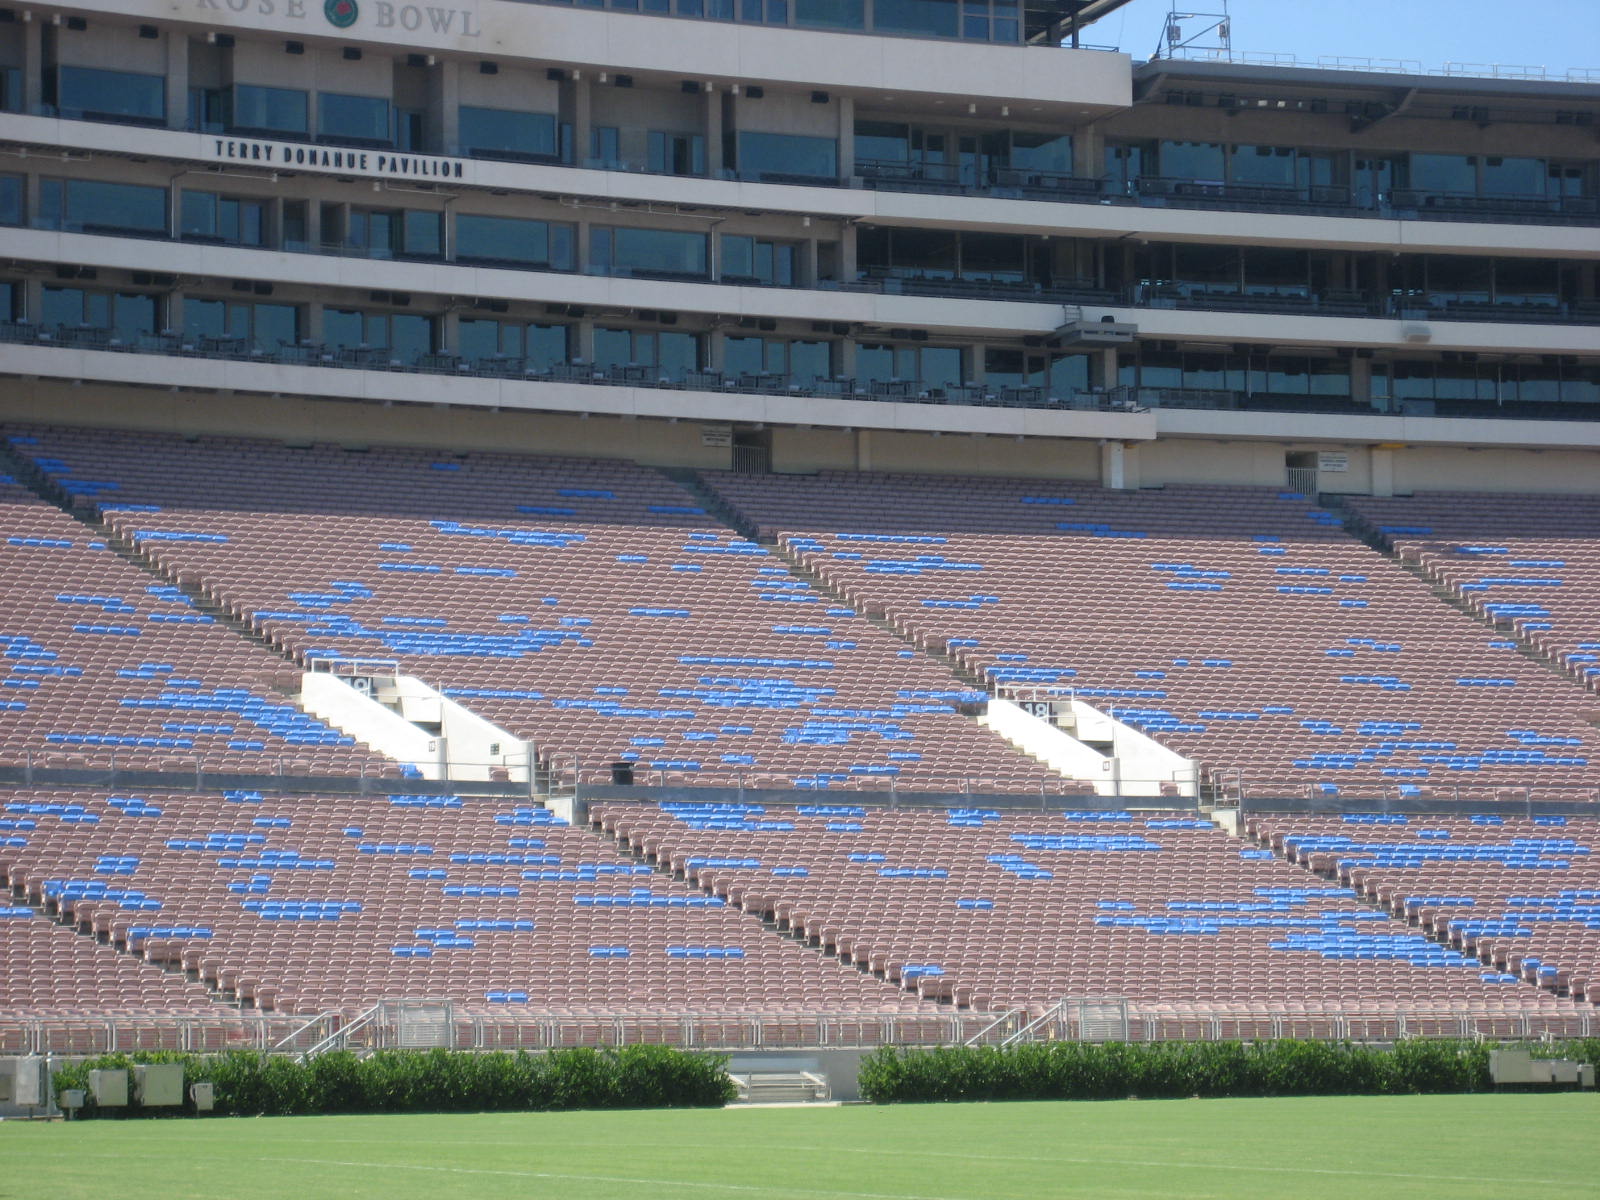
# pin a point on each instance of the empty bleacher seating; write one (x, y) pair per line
(1241, 626)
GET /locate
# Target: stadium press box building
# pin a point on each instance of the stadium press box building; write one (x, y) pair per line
(791, 235)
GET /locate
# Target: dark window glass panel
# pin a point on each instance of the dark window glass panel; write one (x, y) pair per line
(613, 347)
(1276, 272)
(1003, 367)
(10, 294)
(830, 14)
(1067, 373)
(502, 131)
(874, 361)
(1514, 176)
(1158, 370)
(1288, 375)
(994, 257)
(605, 146)
(270, 109)
(1192, 160)
(421, 234)
(133, 314)
(937, 18)
(676, 153)
(658, 251)
(743, 355)
(92, 204)
(92, 92)
(478, 339)
(1329, 377)
(1458, 277)
(1444, 173)
(11, 199)
(546, 345)
(1212, 269)
(410, 336)
(810, 360)
(873, 248)
(883, 141)
(1262, 164)
(788, 154)
(940, 366)
(204, 318)
(677, 354)
(342, 327)
(738, 256)
(511, 239)
(1526, 281)
(274, 324)
(925, 253)
(353, 118)
(62, 306)
(1048, 152)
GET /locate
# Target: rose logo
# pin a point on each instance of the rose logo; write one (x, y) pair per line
(341, 14)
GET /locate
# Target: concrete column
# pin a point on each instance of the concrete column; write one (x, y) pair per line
(313, 326)
(847, 251)
(714, 349)
(450, 329)
(711, 127)
(32, 65)
(577, 96)
(1087, 150)
(583, 339)
(1361, 380)
(177, 47)
(174, 309)
(863, 449)
(847, 135)
(808, 262)
(1103, 369)
(442, 123)
(1382, 472)
(32, 298)
(1113, 462)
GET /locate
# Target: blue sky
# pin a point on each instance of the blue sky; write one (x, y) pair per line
(1557, 34)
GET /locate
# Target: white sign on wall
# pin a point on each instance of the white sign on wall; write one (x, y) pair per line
(716, 435)
(1334, 461)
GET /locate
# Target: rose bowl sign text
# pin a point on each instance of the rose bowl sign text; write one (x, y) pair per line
(440, 20)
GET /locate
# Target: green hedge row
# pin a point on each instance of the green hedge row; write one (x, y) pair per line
(252, 1084)
(1174, 1070)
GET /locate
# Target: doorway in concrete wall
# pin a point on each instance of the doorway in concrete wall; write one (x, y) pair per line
(1300, 472)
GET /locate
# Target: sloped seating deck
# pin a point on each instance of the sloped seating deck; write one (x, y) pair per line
(1242, 627)
(308, 904)
(1529, 561)
(1008, 910)
(1522, 894)
(589, 606)
(99, 658)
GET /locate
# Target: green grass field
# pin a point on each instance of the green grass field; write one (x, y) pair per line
(1414, 1147)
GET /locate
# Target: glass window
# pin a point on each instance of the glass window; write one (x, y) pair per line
(501, 132)
(206, 216)
(605, 147)
(1125, 163)
(264, 325)
(1206, 269)
(748, 259)
(994, 257)
(10, 294)
(676, 153)
(1004, 367)
(934, 18)
(830, 14)
(1526, 281)
(668, 353)
(1514, 176)
(924, 253)
(647, 252)
(11, 192)
(1459, 278)
(270, 109)
(883, 141)
(1192, 160)
(343, 328)
(939, 366)
(786, 154)
(1444, 173)
(119, 95)
(513, 240)
(1276, 272)
(353, 118)
(421, 234)
(125, 315)
(1262, 165)
(410, 336)
(90, 205)
(1047, 152)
